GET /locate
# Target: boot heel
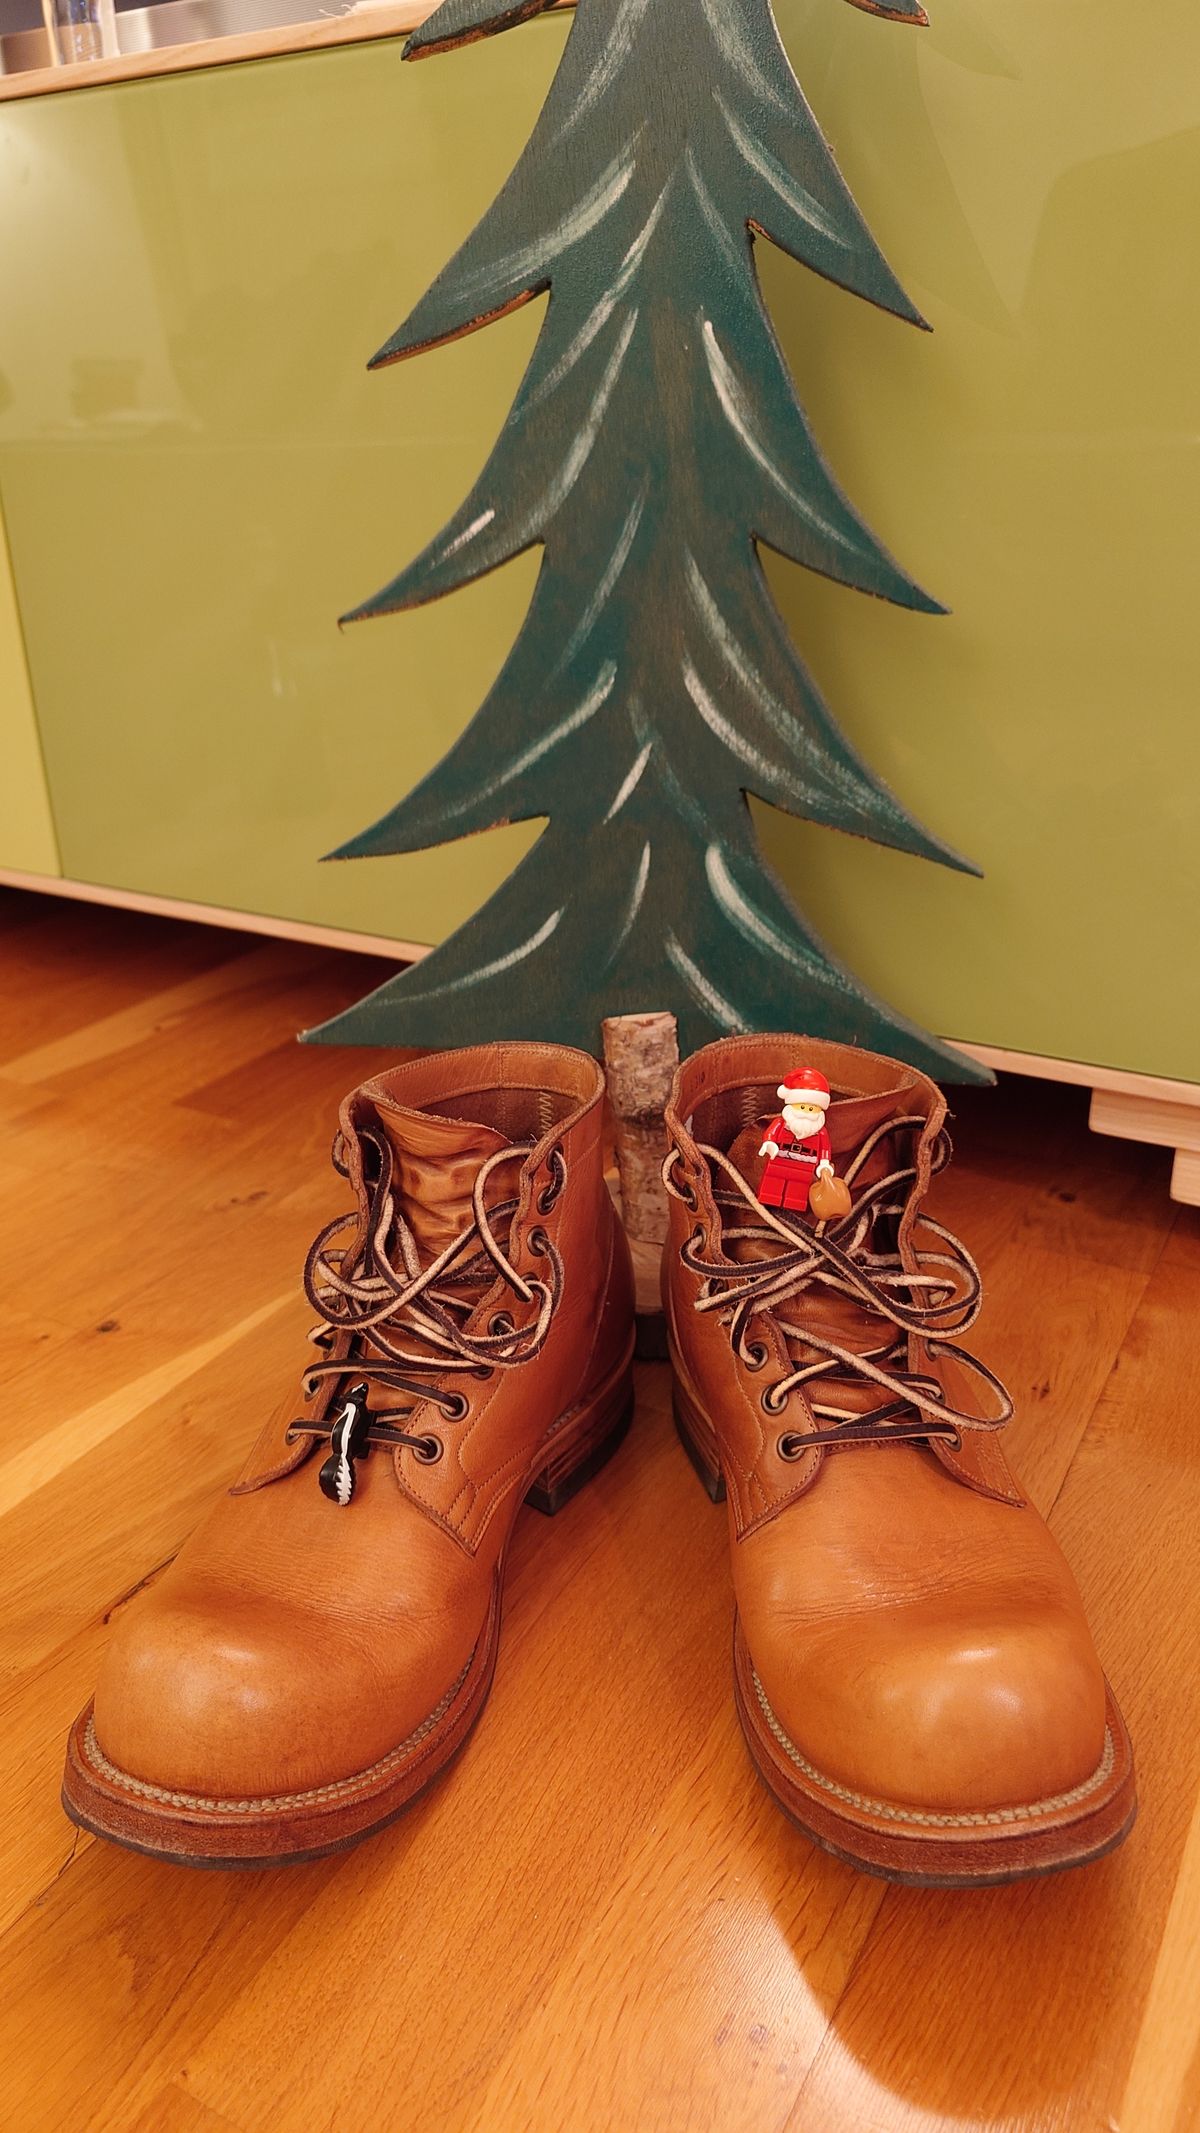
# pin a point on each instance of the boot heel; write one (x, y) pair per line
(698, 1441)
(583, 1440)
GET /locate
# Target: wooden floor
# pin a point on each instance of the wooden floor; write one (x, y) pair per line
(597, 1921)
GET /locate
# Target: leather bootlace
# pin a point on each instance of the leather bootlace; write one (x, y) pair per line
(941, 1293)
(387, 1321)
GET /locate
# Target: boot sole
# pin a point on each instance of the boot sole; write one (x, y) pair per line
(906, 1844)
(189, 1829)
(939, 1850)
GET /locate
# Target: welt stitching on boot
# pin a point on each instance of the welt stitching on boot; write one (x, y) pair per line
(913, 1669)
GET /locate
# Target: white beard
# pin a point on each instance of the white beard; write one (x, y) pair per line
(802, 1123)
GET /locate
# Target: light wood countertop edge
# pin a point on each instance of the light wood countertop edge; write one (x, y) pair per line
(391, 20)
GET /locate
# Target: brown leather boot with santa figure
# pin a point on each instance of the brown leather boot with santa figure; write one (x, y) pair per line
(799, 1174)
(913, 1668)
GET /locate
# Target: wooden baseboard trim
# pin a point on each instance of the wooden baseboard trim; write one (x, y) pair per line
(280, 929)
(1082, 1074)
(1142, 1107)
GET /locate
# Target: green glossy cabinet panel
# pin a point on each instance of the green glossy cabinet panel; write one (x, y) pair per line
(198, 475)
(27, 844)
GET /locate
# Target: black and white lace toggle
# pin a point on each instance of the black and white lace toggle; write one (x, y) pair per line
(345, 1440)
(353, 1433)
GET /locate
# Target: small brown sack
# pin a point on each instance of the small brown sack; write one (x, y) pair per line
(829, 1199)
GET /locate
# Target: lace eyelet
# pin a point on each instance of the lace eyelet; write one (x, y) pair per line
(429, 1451)
(549, 1194)
(501, 1323)
(770, 1405)
(755, 1355)
(685, 1191)
(482, 1371)
(454, 1405)
(539, 1243)
(789, 1448)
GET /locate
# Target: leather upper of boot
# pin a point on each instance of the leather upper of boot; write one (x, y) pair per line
(477, 1286)
(912, 1623)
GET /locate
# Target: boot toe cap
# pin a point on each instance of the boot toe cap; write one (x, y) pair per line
(957, 1718)
(190, 1700)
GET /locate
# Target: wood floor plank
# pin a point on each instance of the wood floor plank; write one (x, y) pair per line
(83, 964)
(126, 1506)
(1027, 1166)
(683, 1999)
(45, 1457)
(1162, 2093)
(131, 1496)
(17, 1101)
(37, 1843)
(141, 1114)
(172, 2110)
(147, 1018)
(211, 1934)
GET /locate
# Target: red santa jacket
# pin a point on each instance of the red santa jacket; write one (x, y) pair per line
(816, 1145)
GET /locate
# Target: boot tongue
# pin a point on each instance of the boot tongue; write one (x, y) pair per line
(437, 1162)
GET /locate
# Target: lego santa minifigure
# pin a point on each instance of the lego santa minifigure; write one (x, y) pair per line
(797, 1144)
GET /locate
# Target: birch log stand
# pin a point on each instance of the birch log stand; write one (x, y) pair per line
(641, 1053)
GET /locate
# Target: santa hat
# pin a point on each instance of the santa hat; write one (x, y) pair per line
(804, 1086)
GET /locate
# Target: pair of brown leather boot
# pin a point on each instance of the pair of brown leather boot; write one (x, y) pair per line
(913, 1670)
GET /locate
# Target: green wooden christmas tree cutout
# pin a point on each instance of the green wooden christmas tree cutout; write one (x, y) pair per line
(655, 441)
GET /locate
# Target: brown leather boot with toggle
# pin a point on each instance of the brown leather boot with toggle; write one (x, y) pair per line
(323, 1645)
(912, 1666)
